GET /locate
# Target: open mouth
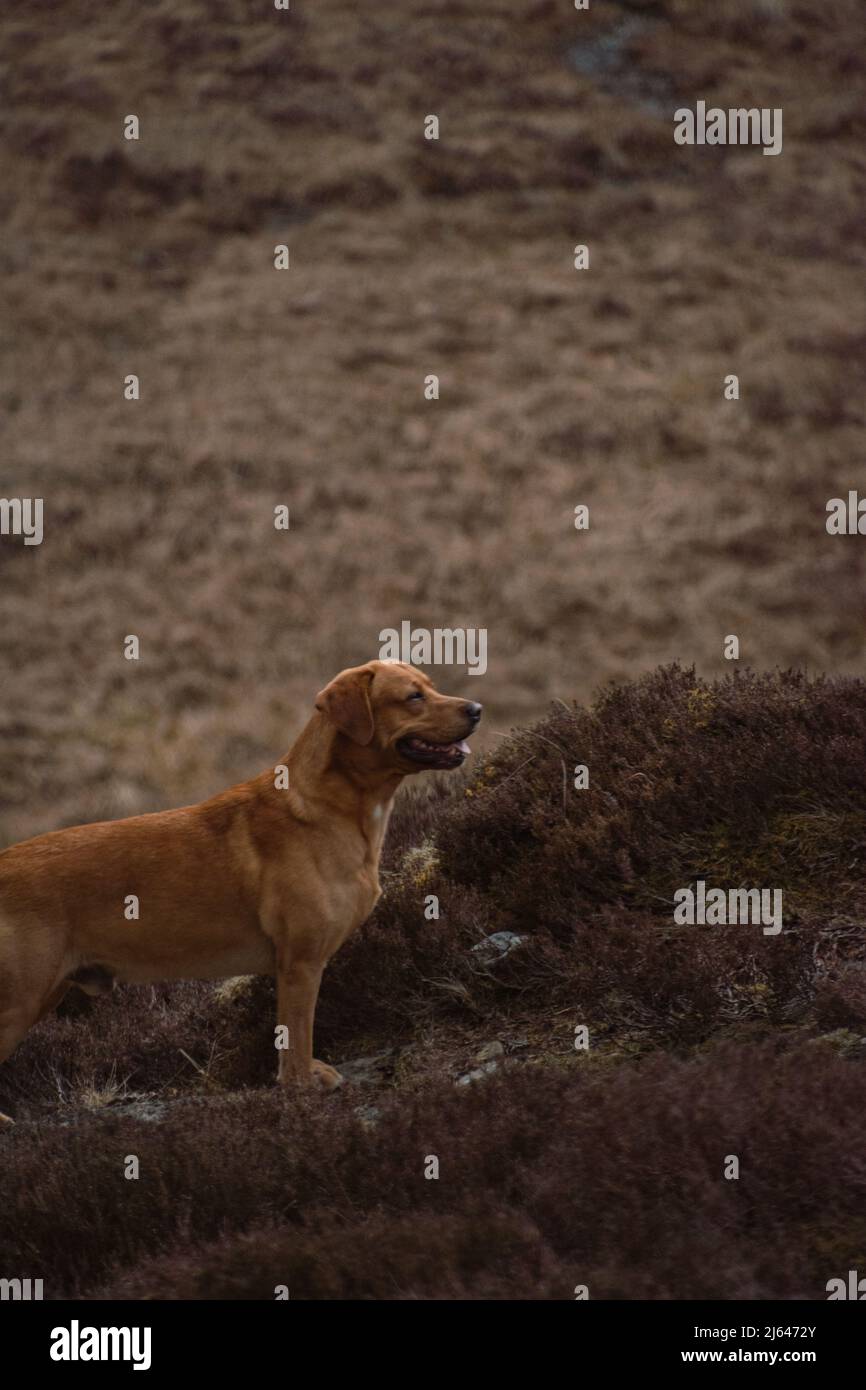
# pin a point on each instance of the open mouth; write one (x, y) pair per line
(441, 755)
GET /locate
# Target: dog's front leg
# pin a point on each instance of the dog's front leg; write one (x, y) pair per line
(297, 991)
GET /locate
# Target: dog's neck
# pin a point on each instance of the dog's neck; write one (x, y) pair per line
(326, 767)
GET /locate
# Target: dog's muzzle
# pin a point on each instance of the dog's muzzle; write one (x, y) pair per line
(434, 755)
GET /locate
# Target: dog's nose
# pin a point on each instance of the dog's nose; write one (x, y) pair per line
(473, 711)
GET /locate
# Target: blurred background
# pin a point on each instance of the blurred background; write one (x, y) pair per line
(411, 257)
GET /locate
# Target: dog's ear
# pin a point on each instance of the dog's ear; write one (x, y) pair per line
(346, 701)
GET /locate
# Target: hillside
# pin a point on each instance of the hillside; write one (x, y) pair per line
(558, 1166)
(410, 257)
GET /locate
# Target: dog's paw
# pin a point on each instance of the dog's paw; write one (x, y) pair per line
(328, 1078)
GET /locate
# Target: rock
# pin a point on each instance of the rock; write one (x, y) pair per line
(374, 1070)
(369, 1115)
(477, 1075)
(497, 946)
(148, 1108)
(234, 988)
(844, 1041)
(489, 1050)
(153, 1111)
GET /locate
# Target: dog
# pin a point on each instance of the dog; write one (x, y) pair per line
(269, 877)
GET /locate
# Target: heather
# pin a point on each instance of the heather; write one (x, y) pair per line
(557, 1166)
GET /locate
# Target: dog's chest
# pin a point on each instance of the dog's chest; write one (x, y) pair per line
(365, 890)
(374, 823)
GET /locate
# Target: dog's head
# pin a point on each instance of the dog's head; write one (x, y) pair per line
(396, 711)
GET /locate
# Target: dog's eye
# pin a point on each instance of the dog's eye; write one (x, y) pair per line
(415, 695)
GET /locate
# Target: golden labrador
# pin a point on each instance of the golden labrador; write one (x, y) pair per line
(265, 878)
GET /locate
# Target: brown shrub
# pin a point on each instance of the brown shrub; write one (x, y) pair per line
(610, 1176)
(749, 781)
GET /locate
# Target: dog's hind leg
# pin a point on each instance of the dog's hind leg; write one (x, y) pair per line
(91, 979)
(54, 999)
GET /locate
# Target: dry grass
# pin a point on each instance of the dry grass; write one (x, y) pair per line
(410, 257)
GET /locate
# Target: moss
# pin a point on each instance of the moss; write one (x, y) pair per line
(700, 705)
(803, 853)
(843, 1041)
